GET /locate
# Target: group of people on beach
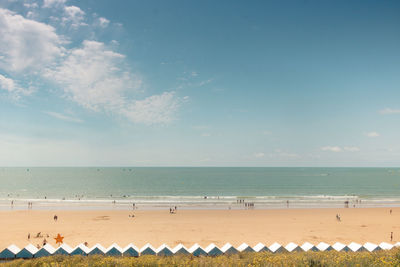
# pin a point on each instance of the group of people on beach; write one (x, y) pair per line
(173, 210)
(338, 217)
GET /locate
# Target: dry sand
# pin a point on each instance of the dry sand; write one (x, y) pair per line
(201, 226)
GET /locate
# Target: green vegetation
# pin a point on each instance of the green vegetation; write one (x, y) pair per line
(316, 259)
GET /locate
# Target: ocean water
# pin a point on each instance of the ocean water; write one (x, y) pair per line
(158, 186)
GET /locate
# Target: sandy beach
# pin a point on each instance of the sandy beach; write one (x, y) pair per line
(201, 226)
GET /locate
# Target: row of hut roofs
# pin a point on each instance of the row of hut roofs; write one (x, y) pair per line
(30, 251)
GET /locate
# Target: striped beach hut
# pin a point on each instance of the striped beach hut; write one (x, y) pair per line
(97, 250)
(213, 250)
(324, 247)
(180, 250)
(276, 248)
(356, 247)
(130, 251)
(340, 247)
(46, 250)
(164, 250)
(148, 250)
(228, 249)
(385, 246)
(114, 250)
(245, 248)
(292, 247)
(9, 252)
(260, 247)
(64, 249)
(27, 252)
(308, 247)
(197, 250)
(80, 249)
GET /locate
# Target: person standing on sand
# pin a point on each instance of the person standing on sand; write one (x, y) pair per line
(391, 236)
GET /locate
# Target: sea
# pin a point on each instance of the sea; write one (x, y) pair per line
(197, 187)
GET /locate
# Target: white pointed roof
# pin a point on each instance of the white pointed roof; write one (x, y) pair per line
(244, 247)
(178, 248)
(322, 246)
(385, 246)
(31, 248)
(371, 247)
(100, 247)
(307, 246)
(82, 247)
(49, 248)
(291, 247)
(274, 247)
(13, 248)
(210, 247)
(226, 247)
(259, 247)
(67, 248)
(146, 247)
(114, 245)
(194, 247)
(163, 246)
(130, 245)
(338, 246)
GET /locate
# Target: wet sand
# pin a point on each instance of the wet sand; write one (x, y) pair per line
(201, 226)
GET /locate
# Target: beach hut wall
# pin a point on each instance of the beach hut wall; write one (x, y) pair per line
(371, 247)
(46, 250)
(164, 250)
(213, 250)
(148, 250)
(340, 247)
(197, 250)
(385, 246)
(260, 247)
(228, 249)
(114, 250)
(309, 247)
(9, 252)
(276, 248)
(97, 250)
(81, 249)
(64, 249)
(292, 247)
(130, 251)
(324, 247)
(180, 250)
(356, 247)
(245, 248)
(27, 252)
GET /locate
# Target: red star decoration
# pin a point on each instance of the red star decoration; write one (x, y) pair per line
(59, 239)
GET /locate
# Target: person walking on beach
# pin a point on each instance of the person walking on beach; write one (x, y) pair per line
(55, 218)
(391, 236)
(390, 212)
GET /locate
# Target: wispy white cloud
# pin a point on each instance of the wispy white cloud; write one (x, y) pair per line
(351, 148)
(331, 148)
(259, 155)
(26, 44)
(103, 22)
(387, 111)
(206, 134)
(53, 3)
(339, 149)
(372, 134)
(74, 16)
(63, 117)
(13, 88)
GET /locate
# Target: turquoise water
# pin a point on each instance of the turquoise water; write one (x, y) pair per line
(162, 183)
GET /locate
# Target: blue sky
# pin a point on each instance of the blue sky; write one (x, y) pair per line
(199, 83)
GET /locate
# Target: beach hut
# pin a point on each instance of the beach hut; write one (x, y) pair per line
(228, 249)
(260, 247)
(180, 250)
(309, 247)
(276, 248)
(27, 252)
(371, 247)
(64, 249)
(356, 247)
(340, 247)
(80, 249)
(245, 248)
(213, 250)
(197, 250)
(130, 251)
(46, 250)
(397, 244)
(97, 250)
(385, 246)
(164, 250)
(292, 247)
(9, 252)
(324, 247)
(148, 250)
(114, 250)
